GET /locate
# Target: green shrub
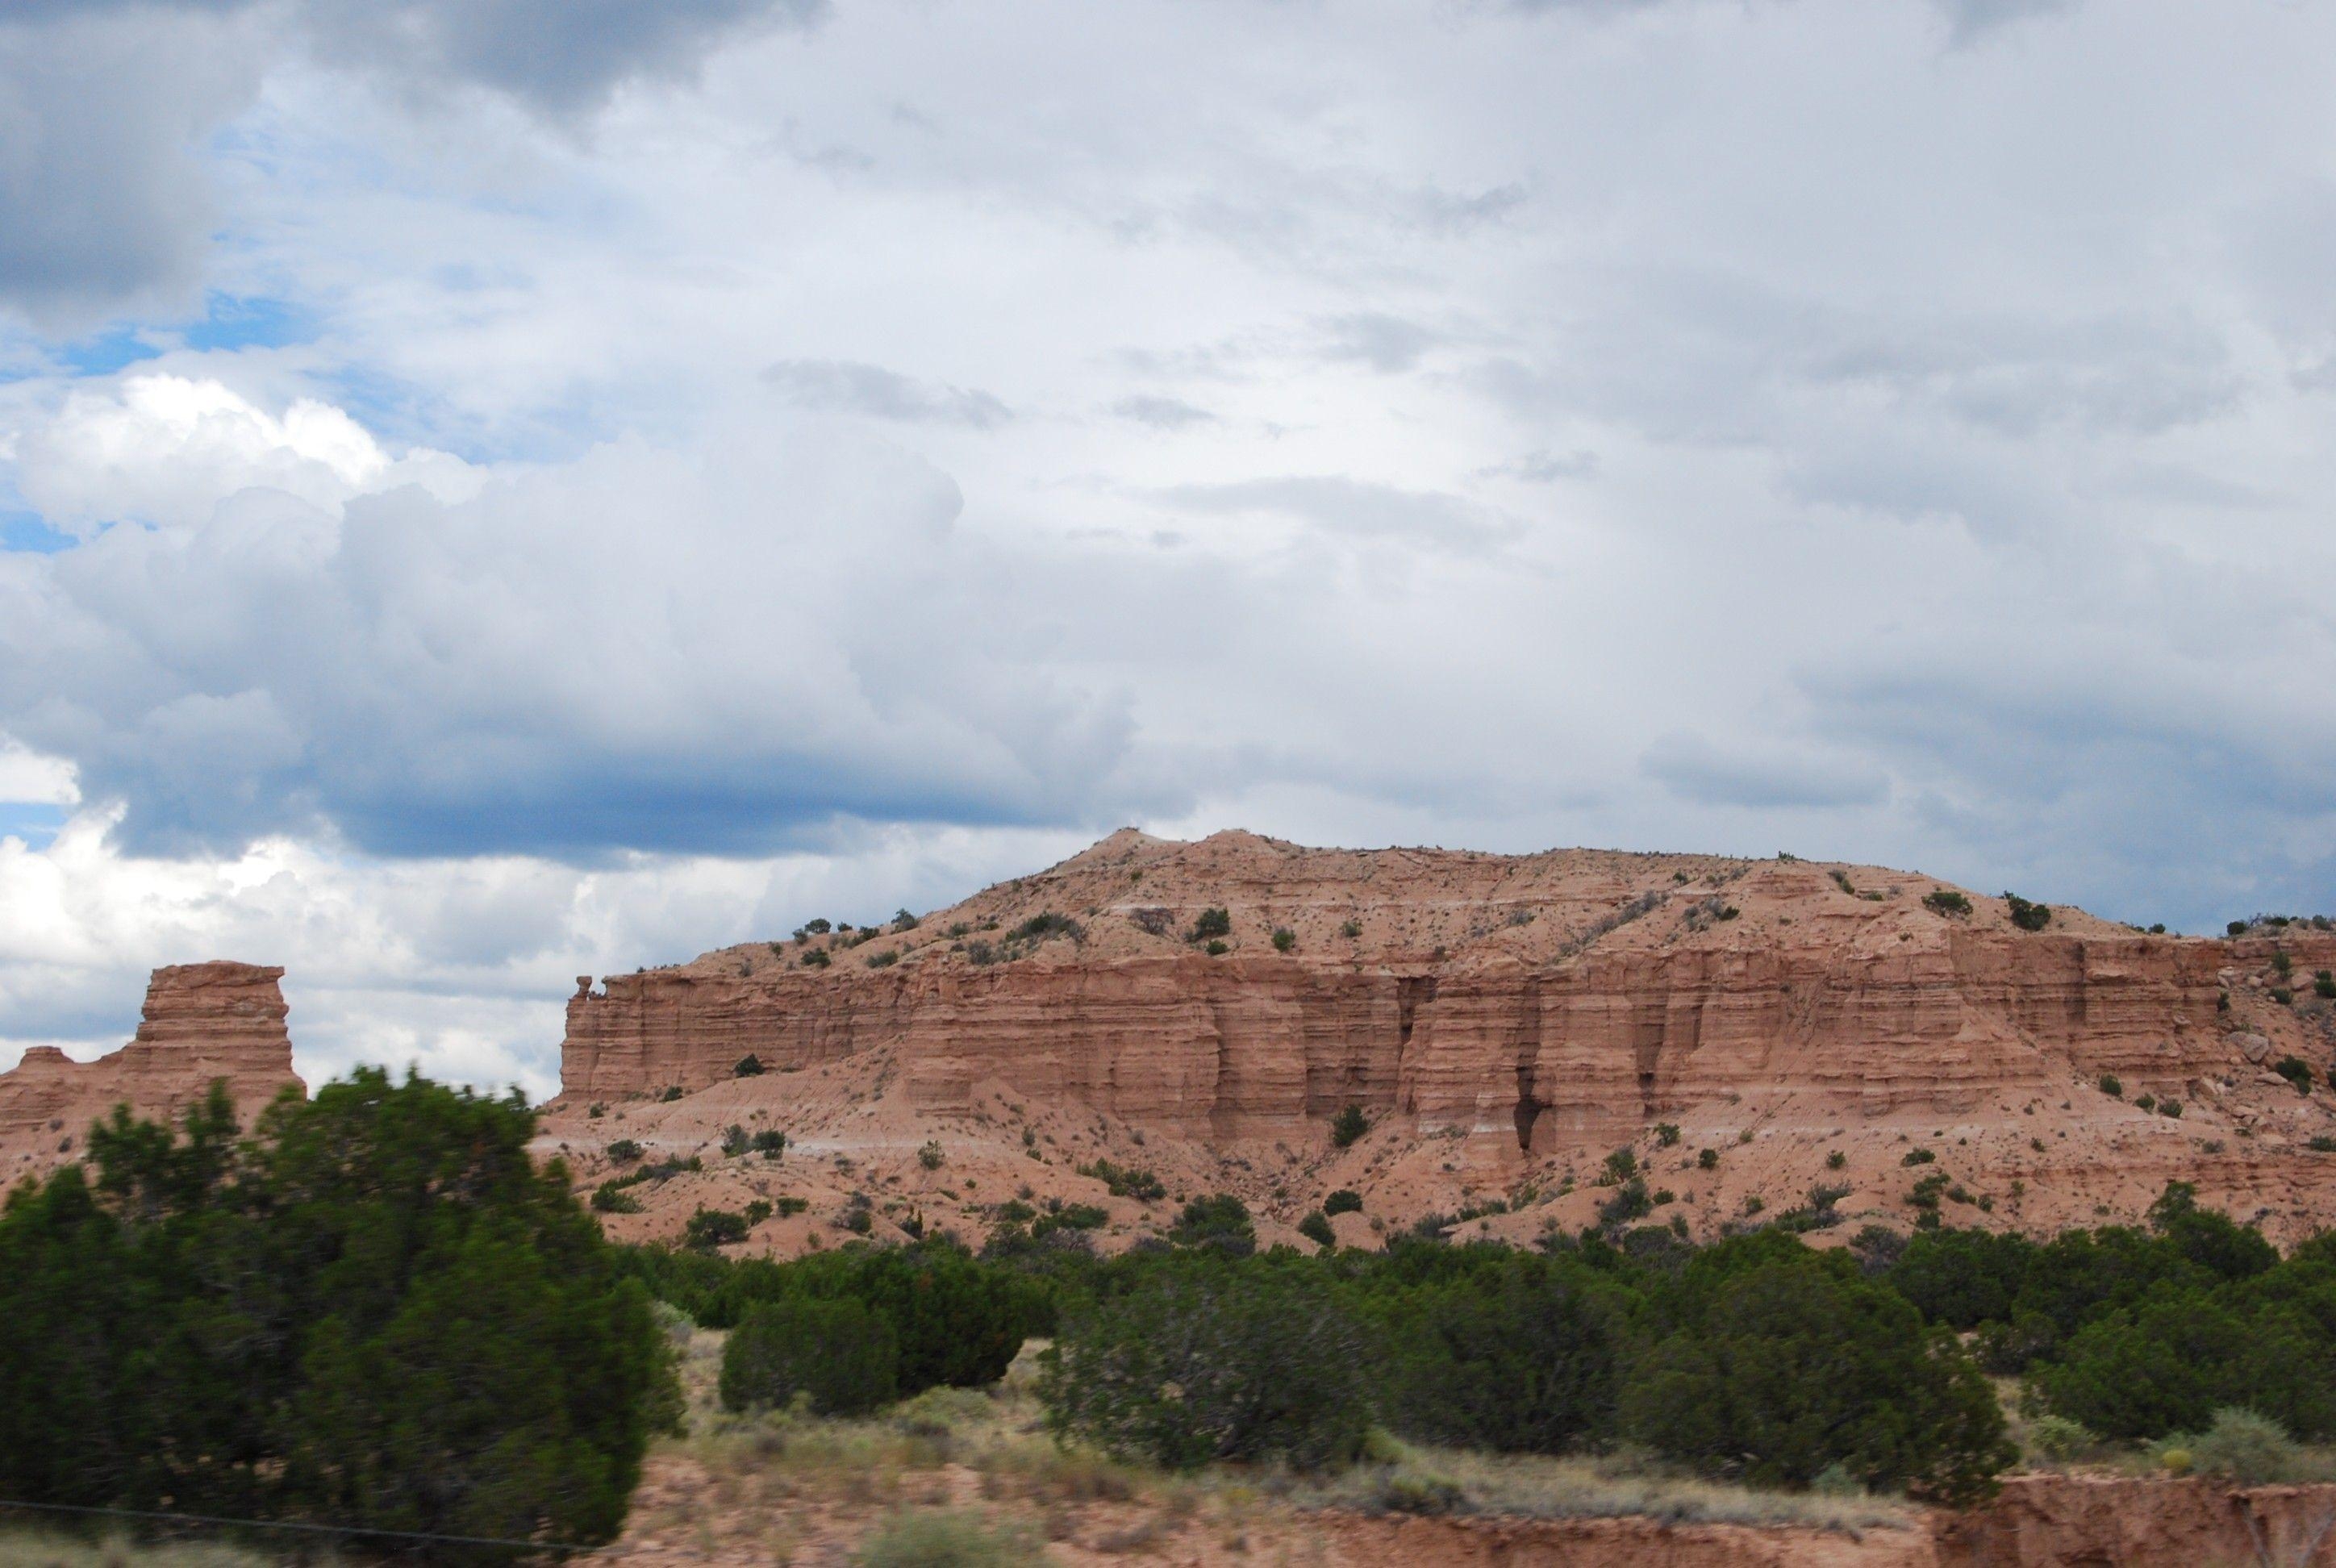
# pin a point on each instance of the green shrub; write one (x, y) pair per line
(749, 1067)
(1284, 939)
(2060, 1439)
(1219, 1222)
(1946, 902)
(1525, 1359)
(1217, 949)
(1787, 1366)
(2027, 916)
(734, 1141)
(610, 1198)
(624, 1150)
(673, 1092)
(1072, 1217)
(1706, 1159)
(1316, 1228)
(1620, 1167)
(1038, 927)
(276, 1327)
(2112, 1086)
(2324, 984)
(1351, 929)
(1345, 1201)
(1629, 1203)
(883, 960)
(1837, 1160)
(816, 958)
(1348, 1125)
(1917, 1157)
(2241, 1446)
(1213, 923)
(710, 1228)
(770, 1143)
(1122, 1182)
(1667, 1134)
(930, 1155)
(1213, 1364)
(839, 1354)
(944, 1538)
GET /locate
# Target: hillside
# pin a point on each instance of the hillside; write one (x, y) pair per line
(1748, 1030)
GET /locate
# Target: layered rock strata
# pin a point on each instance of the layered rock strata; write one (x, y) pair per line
(1531, 1003)
(202, 1023)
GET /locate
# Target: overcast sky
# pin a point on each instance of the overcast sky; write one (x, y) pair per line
(492, 490)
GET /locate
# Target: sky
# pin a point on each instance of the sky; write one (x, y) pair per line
(495, 491)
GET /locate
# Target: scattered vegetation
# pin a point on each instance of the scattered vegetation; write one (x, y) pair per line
(2027, 916)
(1348, 1125)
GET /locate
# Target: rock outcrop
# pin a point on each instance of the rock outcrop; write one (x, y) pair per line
(203, 1023)
(1542, 1000)
(1503, 1022)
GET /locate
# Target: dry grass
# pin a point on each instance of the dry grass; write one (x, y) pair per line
(1451, 1481)
(32, 1549)
(985, 1456)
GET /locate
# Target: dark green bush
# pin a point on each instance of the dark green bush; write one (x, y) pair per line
(1213, 1364)
(770, 1143)
(1518, 1360)
(749, 1067)
(1122, 1182)
(2112, 1086)
(1946, 902)
(710, 1228)
(839, 1353)
(1219, 1222)
(1793, 1365)
(1213, 923)
(2027, 916)
(624, 1150)
(1347, 1127)
(1038, 927)
(277, 1327)
(1316, 1228)
(1345, 1201)
(1629, 1203)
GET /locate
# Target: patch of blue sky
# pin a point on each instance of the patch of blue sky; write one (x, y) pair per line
(233, 321)
(115, 348)
(27, 533)
(36, 822)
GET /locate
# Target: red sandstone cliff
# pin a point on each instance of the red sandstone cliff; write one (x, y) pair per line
(202, 1023)
(1541, 1010)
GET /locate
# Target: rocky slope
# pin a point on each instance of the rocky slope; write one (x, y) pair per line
(202, 1022)
(1506, 1022)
